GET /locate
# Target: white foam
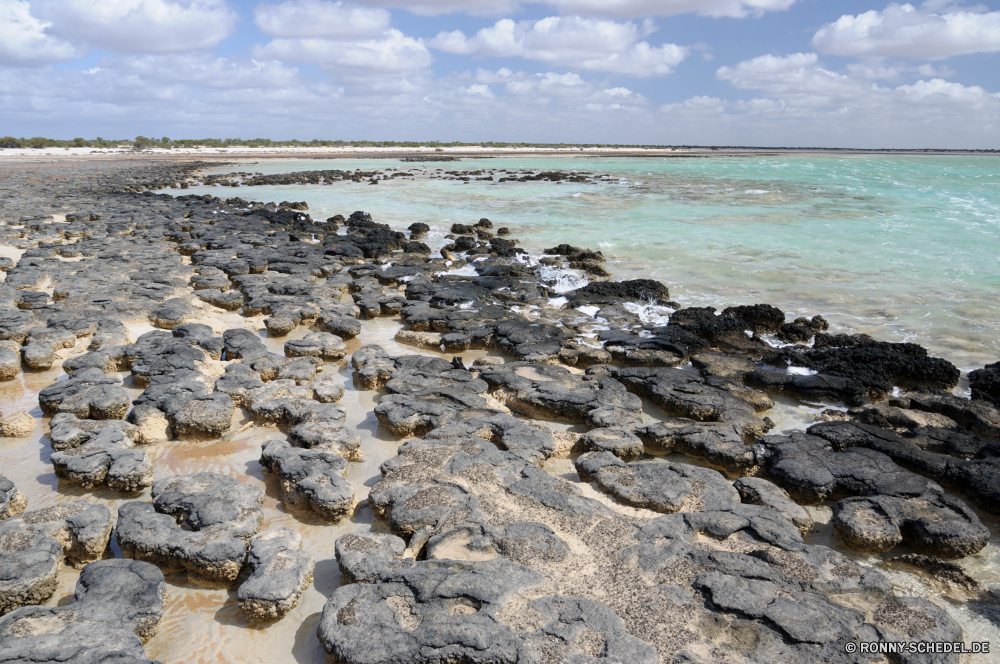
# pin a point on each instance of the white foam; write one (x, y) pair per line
(589, 310)
(557, 302)
(650, 314)
(561, 280)
(800, 371)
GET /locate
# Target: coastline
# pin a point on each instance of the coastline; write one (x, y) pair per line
(241, 153)
(530, 397)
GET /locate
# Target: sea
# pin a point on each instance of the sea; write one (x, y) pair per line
(904, 248)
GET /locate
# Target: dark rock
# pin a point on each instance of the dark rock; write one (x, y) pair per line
(118, 606)
(985, 383)
(310, 479)
(636, 290)
(88, 393)
(222, 515)
(658, 485)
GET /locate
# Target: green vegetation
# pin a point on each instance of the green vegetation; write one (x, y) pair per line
(140, 143)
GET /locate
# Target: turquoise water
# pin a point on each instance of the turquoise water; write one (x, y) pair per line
(903, 248)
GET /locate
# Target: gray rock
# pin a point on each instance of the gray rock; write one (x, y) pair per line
(658, 485)
(218, 513)
(118, 606)
(885, 503)
(317, 344)
(327, 389)
(758, 491)
(310, 479)
(623, 444)
(88, 393)
(34, 544)
(12, 501)
(281, 572)
(546, 391)
(108, 458)
(683, 394)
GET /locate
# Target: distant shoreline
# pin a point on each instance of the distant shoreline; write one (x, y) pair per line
(447, 154)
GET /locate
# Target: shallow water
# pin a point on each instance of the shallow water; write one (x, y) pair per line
(902, 247)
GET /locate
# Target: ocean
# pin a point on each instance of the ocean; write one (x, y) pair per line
(905, 248)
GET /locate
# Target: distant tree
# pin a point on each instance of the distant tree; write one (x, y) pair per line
(9, 142)
(141, 143)
(80, 143)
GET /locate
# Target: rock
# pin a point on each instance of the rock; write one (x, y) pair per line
(281, 572)
(66, 431)
(12, 501)
(684, 394)
(222, 515)
(658, 485)
(758, 491)
(958, 460)
(239, 382)
(108, 458)
(868, 370)
(327, 389)
(242, 344)
(18, 425)
(551, 392)
(985, 383)
(118, 606)
(636, 290)
(88, 393)
(33, 545)
(880, 504)
(619, 442)
(317, 344)
(310, 479)
(10, 364)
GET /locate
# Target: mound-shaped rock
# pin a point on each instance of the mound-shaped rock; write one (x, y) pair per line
(218, 515)
(281, 572)
(117, 606)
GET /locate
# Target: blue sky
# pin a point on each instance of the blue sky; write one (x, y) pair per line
(707, 72)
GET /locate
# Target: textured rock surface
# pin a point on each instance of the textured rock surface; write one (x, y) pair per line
(12, 501)
(218, 513)
(117, 606)
(34, 544)
(281, 571)
(310, 479)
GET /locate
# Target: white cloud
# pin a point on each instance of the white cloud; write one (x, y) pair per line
(904, 31)
(479, 89)
(317, 18)
(23, 40)
(393, 53)
(618, 92)
(572, 42)
(637, 8)
(139, 26)
(615, 8)
(802, 102)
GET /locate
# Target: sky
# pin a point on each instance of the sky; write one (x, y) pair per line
(805, 73)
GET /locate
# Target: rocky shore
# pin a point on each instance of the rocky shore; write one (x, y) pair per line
(585, 475)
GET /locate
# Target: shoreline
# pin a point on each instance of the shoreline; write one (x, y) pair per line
(429, 154)
(593, 456)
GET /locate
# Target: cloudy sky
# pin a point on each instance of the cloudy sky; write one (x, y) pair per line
(852, 73)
